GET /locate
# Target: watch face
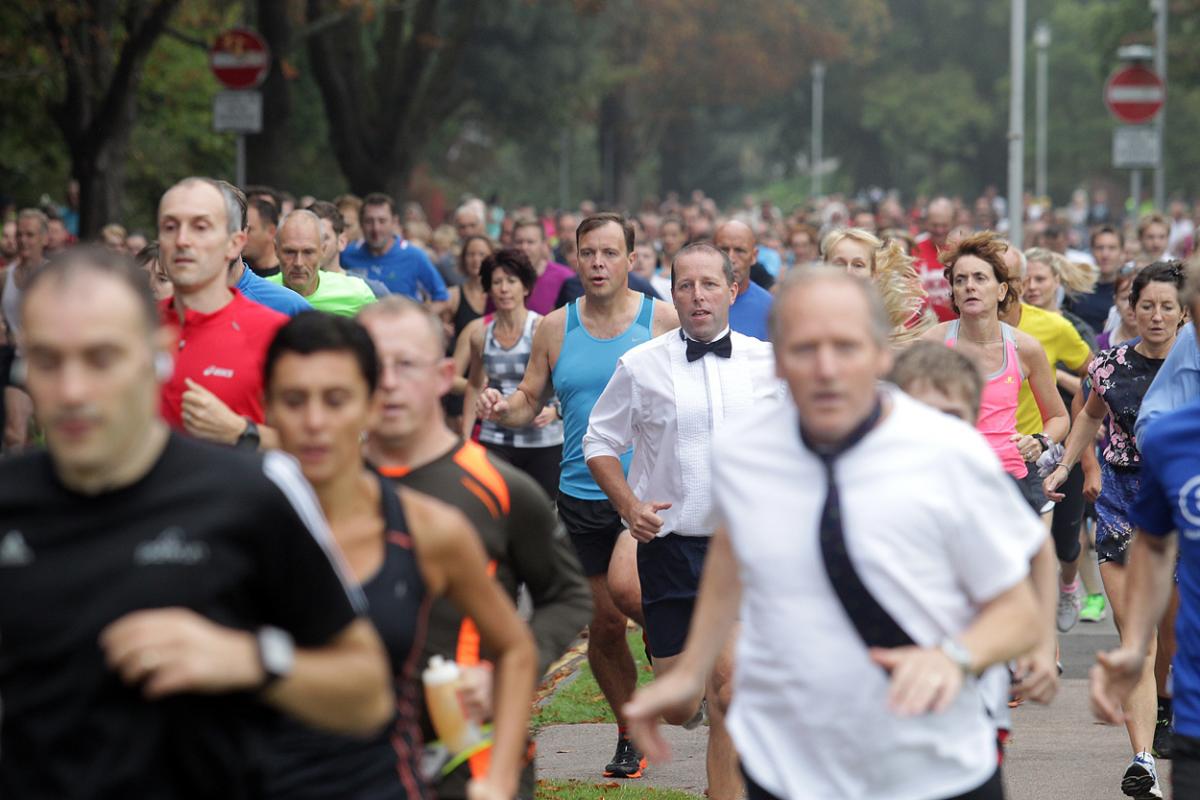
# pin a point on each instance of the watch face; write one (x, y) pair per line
(277, 651)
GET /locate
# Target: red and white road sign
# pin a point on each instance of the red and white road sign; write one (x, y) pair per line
(240, 58)
(1134, 94)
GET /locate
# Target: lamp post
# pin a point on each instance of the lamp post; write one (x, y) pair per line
(1041, 40)
(1016, 126)
(818, 122)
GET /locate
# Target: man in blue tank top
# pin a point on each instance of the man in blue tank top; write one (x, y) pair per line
(575, 352)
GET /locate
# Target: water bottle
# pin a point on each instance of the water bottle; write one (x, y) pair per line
(456, 732)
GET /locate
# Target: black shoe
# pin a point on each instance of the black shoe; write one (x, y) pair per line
(627, 762)
(1164, 739)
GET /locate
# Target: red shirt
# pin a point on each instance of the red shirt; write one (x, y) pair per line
(933, 278)
(223, 352)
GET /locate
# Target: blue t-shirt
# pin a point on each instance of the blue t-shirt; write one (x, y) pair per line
(272, 295)
(1169, 501)
(748, 314)
(403, 269)
(1176, 384)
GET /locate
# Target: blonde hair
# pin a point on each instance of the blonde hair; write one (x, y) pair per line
(863, 237)
(1076, 278)
(895, 276)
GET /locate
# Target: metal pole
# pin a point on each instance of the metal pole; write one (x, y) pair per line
(1160, 66)
(1135, 191)
(818, 121)
(1041, 39)
(1016, 127)
(240, 170)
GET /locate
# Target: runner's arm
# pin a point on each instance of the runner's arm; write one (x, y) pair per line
(476, 380)
(453, 564)
(609, 435)
(519, 408)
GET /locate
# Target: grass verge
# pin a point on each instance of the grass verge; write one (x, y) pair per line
(582, 701)
(581, 790)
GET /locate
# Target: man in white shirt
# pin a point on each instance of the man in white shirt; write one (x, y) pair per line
(666, 399)
(849, 672)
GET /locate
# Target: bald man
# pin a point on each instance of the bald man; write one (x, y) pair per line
(939, 218)
(298, 245)
(752, 303)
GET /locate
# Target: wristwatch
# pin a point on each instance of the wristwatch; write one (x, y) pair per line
(276, 654)
(1043, 441)
(957, 653)
(249, 438)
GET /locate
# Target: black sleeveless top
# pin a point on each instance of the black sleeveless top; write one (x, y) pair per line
(452, 404)
(307, 764)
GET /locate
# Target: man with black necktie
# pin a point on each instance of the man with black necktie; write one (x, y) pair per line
(666, 399)
(874, 554)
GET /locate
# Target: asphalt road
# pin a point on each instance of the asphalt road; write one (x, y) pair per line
(1057, 752)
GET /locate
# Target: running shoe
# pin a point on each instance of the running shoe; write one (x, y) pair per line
(1068, 610)
(1141, 779)
(1095, 609)
(627, 762)
(1164, 737)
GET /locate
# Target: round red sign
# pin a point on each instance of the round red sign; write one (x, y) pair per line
(1134, 94)
(240, 58)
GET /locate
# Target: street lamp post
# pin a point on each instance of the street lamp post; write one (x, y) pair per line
(818, 123)
(1016, 126)
(1041, 40)
(1160, 66)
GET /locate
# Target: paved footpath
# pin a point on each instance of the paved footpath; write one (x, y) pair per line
(1058, 752)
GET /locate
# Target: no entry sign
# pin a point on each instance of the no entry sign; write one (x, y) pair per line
(1134, 94)
(240, 58)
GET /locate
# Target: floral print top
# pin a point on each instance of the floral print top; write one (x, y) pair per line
(1121, 377)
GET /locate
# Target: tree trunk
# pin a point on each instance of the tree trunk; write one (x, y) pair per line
(96, 112)
(267, 152)
(101, 175)
(672, 155)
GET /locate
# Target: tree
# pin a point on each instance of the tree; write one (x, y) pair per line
(100, 46)
(389, 79)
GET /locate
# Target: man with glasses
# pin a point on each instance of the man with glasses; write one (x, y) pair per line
(515, 520)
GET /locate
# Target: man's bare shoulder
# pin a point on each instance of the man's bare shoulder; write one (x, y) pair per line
(665, 317)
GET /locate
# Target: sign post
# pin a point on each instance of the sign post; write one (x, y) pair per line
(1135, 95)
(240, 59)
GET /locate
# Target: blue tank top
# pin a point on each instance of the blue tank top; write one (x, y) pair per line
(585, 365)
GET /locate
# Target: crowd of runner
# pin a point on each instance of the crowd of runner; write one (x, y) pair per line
(268, 464)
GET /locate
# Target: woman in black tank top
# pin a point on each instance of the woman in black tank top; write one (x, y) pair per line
(404, 549)
(466, 305)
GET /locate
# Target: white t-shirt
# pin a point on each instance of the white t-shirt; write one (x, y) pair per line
(935, 529)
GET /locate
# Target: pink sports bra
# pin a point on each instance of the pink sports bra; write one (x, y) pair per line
(998, 407)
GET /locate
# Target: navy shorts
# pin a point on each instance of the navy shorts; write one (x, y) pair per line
(593, 526)
(669, 570)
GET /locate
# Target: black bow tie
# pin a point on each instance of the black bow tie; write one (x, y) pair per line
(722, 348)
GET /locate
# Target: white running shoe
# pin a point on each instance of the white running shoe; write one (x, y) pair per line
(1068, 610)
(1141, 779)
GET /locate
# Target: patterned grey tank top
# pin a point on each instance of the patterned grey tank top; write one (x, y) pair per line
(504, 370)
